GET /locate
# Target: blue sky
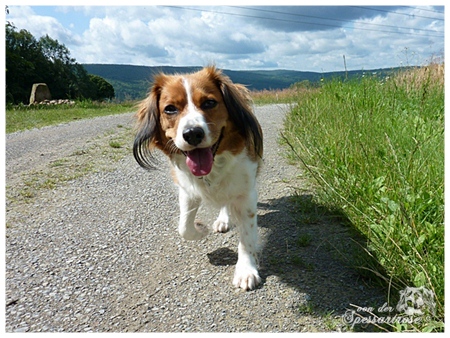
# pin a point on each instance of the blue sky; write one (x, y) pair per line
(71, 18)
(307, 38)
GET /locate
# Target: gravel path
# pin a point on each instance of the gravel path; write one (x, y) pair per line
(101, 252)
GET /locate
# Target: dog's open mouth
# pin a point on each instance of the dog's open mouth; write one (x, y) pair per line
(200, 160)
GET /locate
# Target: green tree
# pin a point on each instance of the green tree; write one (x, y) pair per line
(59, 76)
(24, 64)
(103, 89)
(67, 78)
(29, 61)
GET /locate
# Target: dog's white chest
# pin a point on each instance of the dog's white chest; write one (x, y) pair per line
(231, 176)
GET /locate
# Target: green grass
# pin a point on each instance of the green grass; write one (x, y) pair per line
(375, 148)
(27, 117)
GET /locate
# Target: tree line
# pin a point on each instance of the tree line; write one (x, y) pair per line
(29, 61)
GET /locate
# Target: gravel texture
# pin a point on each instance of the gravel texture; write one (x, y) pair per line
(101, 253)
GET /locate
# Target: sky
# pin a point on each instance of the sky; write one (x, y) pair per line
(241, 36)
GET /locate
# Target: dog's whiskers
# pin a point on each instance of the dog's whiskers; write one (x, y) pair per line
(171, 147)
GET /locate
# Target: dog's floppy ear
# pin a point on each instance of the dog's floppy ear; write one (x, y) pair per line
(238, 102)
(148, 134)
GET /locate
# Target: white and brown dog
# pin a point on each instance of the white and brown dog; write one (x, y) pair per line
(204, 123)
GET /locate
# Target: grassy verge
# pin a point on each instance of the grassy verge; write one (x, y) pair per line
(27, 117)
(376, 150)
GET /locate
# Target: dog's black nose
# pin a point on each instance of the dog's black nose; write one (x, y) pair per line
(193, 135)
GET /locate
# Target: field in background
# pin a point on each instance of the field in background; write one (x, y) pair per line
(375, 149)
(24, 117)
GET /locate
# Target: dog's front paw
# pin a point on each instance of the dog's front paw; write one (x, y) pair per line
(221, 226)
(246, 277)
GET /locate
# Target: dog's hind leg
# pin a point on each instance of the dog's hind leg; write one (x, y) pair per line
(188, 209)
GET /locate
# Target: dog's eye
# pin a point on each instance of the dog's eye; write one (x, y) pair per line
(209, 104)
(171, 109)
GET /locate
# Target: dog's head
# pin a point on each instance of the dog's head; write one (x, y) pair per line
(199, 115)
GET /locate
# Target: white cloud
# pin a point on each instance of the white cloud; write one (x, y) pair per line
(147, 35)
(40, 25)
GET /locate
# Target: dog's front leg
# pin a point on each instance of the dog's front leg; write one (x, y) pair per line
(222, 223)
(188, 209)
(246, 275)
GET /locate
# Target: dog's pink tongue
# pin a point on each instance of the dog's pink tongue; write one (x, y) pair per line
(200, 161)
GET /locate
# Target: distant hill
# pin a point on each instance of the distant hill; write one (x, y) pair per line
(132, 82)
